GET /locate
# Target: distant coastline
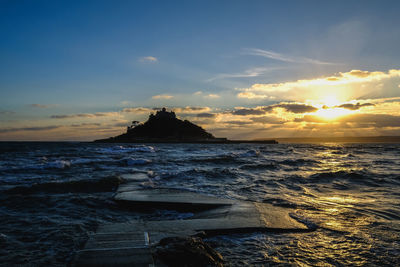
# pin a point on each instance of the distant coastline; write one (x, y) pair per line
(359, 139)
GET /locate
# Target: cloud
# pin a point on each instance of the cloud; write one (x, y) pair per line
(191, 110)
(357, 120)
(163, 96)
(44, 128)
(78, 125)
(248, 111)
(250, 95)
(295, 108)
(253, 72)
(85, 115)
(206, 115)
(206, 95)
(268, 120)
(355, 106)
(310, 118)
(237, 122)
(289, 107)
(344, 86)
(284, 58)
(137, 110)
(148, 59)
(212, 96)
(41, 106)
(376, 120)
(6, 112)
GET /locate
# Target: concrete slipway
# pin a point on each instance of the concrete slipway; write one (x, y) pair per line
(123, 244)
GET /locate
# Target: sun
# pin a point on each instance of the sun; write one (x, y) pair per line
(330, 100)
(329, 110)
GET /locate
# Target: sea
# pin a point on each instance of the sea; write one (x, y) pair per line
(53, 195)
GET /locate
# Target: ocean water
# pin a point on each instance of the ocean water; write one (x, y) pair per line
(53, 195)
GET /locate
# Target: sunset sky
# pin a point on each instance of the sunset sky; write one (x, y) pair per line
(83, 70)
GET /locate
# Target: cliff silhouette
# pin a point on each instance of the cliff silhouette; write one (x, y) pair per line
(165, 127)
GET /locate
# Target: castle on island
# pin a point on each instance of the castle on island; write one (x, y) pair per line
(165, 127)
(161, 114)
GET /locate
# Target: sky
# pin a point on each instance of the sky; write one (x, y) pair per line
(83, 70)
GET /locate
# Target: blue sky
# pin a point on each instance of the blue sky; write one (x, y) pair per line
(88, 57)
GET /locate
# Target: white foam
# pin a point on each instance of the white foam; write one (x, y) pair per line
(250, 153)
(58, 164)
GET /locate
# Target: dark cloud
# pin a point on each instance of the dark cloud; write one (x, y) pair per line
(6, 112)
(206, 115)
(377, 120)
(44, 128)
(268, 108)
(296, 108)
(72, 116)
(83, 115)
(85, 124)
(289, 107)
(355, 106)
(248, 111)
(139, 110)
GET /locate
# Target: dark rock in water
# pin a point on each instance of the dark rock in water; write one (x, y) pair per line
(187, 251)
(165, 127)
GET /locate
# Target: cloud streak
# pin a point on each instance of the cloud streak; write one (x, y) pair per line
(163, 96)
(254, 72)
(40, 106)
(85, 115)
(284, 58)
(44, 128)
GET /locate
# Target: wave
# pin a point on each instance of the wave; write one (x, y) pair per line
(228, 157)
(249, 153)
(133, 162)
(298, 162)
(58, 164)
(123, 149)
(360, 177)
(107, 184)
(259, 166)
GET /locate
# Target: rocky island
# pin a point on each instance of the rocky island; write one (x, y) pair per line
(165, 127)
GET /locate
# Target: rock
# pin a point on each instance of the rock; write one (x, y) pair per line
(187, 251)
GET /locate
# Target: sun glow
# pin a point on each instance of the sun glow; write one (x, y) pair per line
(328, 108)
(332, 113)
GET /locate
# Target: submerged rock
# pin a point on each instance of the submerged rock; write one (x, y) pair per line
(187, 251)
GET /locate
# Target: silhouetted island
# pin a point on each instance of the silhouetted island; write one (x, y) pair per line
(165, 127)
